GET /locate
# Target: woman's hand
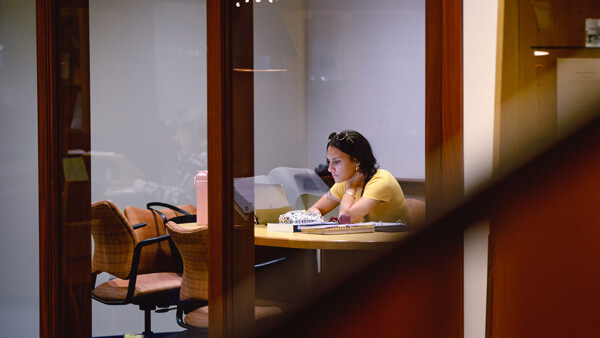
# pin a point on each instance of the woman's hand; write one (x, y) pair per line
(356, 208)
(313, 209)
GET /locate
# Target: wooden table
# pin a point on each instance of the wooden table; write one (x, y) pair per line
(319, 259)
(337, 256)
(297, 240)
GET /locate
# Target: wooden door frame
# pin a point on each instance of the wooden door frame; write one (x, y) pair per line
(64, 201)
(49, 207)
(444, 165)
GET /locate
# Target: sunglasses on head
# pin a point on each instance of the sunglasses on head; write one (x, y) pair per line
(340, 136)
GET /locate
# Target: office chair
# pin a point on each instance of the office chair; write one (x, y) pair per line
(162, 256)
(192, 311)
(417, 211)
(118, 251)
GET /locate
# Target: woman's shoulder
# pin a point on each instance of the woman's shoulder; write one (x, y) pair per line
(381, 177)
(382, 173)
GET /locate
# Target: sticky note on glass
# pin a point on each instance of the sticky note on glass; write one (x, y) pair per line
(74, 169)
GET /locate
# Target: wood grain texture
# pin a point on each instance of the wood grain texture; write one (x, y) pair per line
(231, 154)
(64, 206)
(47, 168)
(218, 73)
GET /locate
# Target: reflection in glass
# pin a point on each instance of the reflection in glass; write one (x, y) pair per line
(148, 117)
(549, 78)
(148, 98)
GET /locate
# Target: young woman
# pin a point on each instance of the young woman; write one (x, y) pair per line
(363, 191)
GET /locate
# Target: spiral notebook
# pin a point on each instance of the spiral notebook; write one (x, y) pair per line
(338, 229)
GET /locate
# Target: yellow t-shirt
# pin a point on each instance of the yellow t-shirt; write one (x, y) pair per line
(382, 187)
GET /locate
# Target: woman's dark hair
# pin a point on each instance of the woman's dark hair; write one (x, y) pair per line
(354, 144)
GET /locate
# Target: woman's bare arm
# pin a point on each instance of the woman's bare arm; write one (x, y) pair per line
(325, 204)
(356, 209)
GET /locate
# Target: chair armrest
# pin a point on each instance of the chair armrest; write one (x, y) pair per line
(139, 225)
(150, 206)
(135, 261)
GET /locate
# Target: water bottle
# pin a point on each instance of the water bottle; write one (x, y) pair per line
(201, 184)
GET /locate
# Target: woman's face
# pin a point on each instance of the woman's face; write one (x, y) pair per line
(341, 166)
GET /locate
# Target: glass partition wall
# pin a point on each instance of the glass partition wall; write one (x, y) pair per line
(19, 298)
(148, 118)
(323, 67)
(299, 70)
(148, 100)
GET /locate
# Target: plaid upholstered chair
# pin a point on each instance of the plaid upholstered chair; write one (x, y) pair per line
(417, 211)
(162, 256)
(118, 251)
(192, 311)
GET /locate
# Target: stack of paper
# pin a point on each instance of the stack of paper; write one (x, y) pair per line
(294, 227)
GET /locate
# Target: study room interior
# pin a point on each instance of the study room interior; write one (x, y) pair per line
(317, 69)
(485, 114)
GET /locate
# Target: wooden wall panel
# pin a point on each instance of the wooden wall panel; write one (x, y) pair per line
(539, 235)
(543, 247)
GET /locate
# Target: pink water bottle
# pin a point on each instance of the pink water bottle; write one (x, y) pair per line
(201, 184)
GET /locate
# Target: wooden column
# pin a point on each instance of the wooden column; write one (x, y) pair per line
(64, 177)
(231, 155)
(443, 106)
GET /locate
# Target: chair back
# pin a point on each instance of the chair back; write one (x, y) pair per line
(193, 247)
(417, 211)
(156, 257)
(114, 240)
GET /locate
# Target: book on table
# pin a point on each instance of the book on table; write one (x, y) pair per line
(338, 229)
(392, 227)
(331, 228)
(294, 227)
(355, 228)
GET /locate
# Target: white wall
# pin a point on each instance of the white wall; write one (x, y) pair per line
(280, 120)
(19, 245)
(351, 65)
(366, 71)
(480, 32)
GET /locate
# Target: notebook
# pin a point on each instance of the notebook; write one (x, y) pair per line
(337, 229)
(392, 227)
